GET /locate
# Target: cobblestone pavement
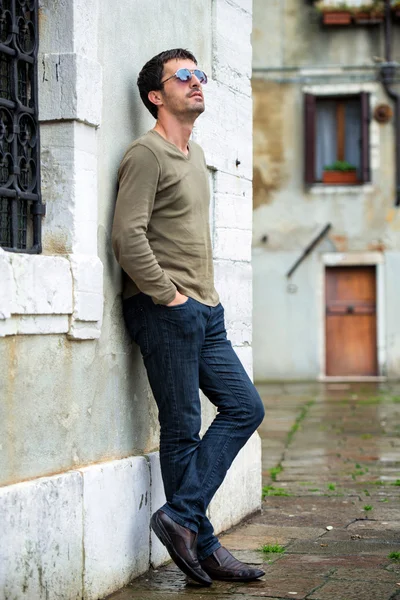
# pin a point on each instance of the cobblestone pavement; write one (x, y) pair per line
(331, 477)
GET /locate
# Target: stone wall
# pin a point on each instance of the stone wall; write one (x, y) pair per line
(78, 427)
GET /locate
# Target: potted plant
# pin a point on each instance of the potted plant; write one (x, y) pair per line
(334, 15)
(396, 9)
(378, 12)
(369, 14)
(340, 173)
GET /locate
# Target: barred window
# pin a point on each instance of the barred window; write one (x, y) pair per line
(21, 208)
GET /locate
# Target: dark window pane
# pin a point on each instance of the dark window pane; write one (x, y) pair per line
(22, 211)
(5, 222)
(5, 77)
(25, 76)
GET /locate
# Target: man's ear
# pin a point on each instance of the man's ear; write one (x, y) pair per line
(155, 97)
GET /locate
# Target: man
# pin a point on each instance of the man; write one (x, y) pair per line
(161, 239)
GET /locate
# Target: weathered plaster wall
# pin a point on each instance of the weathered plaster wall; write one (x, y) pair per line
(363, 218)
(293, 55)
(288, 33)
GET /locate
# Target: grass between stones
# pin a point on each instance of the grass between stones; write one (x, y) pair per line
(395, 556)
(270, 490)
(274, 472)
(272, 549)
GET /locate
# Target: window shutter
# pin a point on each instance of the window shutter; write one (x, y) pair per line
(365, 121)
(309, 137)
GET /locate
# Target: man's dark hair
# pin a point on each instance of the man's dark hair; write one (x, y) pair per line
(151, 74)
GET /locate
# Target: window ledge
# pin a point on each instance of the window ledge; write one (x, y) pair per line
(323, 188)
(51, 294)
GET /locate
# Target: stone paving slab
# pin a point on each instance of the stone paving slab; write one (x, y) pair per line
(353, 590)
(337, 448)
(259, 534)
(289, 586)
(362, 533)
(345, 547)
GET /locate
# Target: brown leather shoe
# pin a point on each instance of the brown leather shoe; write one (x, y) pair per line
(225, 567)
(181, 544)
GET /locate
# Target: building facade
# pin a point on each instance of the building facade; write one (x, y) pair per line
(79, 469)
(326, 251)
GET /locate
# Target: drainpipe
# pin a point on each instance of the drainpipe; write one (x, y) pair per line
(388, 75)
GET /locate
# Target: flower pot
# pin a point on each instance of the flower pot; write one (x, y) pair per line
(340, 177)
(336, 18)
(362, 18)
(377, 17)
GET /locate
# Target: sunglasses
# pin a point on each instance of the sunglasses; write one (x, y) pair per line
(186, 75)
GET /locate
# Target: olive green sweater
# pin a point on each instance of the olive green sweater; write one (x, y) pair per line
(161, 231)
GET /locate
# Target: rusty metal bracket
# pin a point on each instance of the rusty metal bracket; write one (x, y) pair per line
(309, 249)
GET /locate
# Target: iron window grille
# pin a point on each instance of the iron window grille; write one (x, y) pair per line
(21, 208)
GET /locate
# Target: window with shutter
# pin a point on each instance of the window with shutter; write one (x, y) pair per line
(337, 139)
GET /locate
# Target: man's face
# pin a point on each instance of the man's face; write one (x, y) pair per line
(182, 98)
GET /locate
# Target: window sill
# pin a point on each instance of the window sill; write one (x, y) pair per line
(51, 295)
(356, 189)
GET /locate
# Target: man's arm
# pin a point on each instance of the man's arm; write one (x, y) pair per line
(138, 179)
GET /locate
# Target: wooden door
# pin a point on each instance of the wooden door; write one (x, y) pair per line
(351, 342)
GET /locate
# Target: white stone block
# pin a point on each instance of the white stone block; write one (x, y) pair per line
(42, 324)
(34, 325)
(232, 244)
(9, 326)
(225, 130)
(232, 46)
(233, 212)
(245, 354)
(84, 330)
(85, 190)
(88, 306)
(56, 26)
(227, 184)
(159, 554)
(71, 88)
(87, 275)
(246, 5)
(7, 286)
(69, 186)
(43, 284)
(233, 201)
(240, 493)
(58, 186)
(85, 27)
(233, 281)
(116, 524)
(41, 539)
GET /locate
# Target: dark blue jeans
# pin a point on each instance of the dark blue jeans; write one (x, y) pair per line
(185, 349)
